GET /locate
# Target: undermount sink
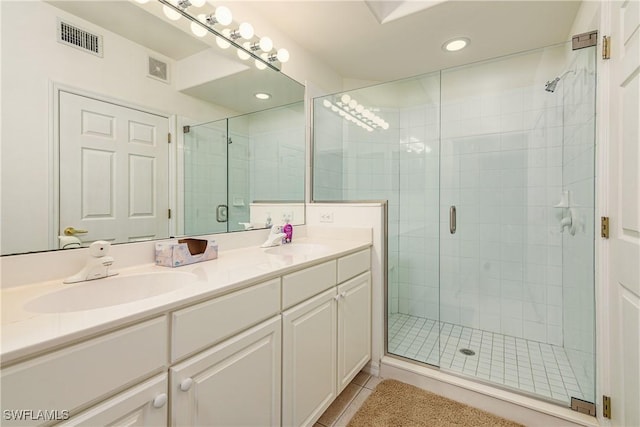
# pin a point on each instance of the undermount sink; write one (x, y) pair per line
(298, 249)
(111, 291)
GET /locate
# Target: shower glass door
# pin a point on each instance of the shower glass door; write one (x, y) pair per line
(517, 181)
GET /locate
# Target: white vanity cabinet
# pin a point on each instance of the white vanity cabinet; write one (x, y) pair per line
(145, 405)
(235, 383)
(79, 375)
(354, 328)
(326, 341)
(309, 359)
(271, 353)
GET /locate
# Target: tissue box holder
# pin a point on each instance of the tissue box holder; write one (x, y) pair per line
(177, 253)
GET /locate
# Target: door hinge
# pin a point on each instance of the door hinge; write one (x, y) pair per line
(606, 47)
(580, 41)
(169, 138)
(604, 227)
(606, 407)
(583, 406)
(186, 129)
(169, 213)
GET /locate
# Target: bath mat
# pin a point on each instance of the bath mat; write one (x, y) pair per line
(396, 404)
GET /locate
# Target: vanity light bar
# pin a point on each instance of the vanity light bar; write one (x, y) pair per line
(203, 24)
(352, 111)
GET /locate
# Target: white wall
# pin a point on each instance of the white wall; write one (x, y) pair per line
(32, 60)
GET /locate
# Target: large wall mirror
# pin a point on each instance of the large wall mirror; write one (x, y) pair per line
(146, 131)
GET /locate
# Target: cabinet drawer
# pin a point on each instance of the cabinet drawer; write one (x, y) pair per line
(351, 265)
(81, 374)
(299, 286)
(207, 323)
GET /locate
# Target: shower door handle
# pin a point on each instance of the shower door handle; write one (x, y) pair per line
(452, 219)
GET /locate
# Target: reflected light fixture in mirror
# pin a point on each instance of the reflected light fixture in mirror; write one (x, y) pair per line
(262, 95)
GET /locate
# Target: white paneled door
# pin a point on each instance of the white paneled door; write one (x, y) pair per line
(624, 206)
(114, 183)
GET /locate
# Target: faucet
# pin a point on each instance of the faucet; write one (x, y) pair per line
(275, 237)
(97, 266)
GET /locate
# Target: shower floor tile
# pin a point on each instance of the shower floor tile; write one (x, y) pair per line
(528, 366)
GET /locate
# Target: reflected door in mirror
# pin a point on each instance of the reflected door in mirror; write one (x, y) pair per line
(114, 171)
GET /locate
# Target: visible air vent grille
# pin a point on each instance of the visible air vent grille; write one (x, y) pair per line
(158, 70)
(79, 38)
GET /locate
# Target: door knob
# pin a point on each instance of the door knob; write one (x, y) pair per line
(70, 231)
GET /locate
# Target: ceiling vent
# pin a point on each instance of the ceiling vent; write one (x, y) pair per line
(81, 39)
(158, 70)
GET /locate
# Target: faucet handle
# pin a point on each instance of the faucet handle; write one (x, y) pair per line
(99, 248)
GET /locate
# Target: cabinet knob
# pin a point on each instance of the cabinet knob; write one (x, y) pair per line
(343, 294)
(160, 400)
(186, 384)
(336, 297)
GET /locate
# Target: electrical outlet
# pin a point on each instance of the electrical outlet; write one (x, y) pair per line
(326, 217)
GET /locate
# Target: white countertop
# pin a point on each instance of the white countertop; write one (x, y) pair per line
(26, 333)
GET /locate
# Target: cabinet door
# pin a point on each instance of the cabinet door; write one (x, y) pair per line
(235, 383)
(309, 359)
(354, 328)
(143, 405)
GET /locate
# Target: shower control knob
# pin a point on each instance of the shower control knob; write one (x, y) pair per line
(186, 384)
(160, 400)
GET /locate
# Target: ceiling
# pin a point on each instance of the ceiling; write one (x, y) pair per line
(361, 40)
(348, 36)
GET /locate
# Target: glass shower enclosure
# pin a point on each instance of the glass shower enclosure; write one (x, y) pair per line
(488, 170)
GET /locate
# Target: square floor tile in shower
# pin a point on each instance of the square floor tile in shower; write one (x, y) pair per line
(526, 365)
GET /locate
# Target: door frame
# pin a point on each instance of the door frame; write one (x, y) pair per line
(54, 152)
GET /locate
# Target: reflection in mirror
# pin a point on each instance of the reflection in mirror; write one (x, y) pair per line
(144, 64)
(245, 172)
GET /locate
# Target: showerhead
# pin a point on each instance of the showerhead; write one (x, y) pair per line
(550, 86)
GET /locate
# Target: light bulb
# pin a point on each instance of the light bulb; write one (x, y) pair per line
(353, 103)
(198, 29)
(223, 15)
(385, 125)
(345, 98)
(359, 108)
(142, 1)
(282, 55)
(171, 13)
(197, 3)
(266, 44)
(334, 108)
(326, 103)
(246, 30)
(222, 42)
(242, 54)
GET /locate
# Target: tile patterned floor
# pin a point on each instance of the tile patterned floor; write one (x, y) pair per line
(347, 404)
(529, 366)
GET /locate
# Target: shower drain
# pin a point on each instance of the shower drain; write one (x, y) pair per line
(467, 351)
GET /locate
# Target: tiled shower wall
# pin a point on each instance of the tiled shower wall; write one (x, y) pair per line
(502, 169)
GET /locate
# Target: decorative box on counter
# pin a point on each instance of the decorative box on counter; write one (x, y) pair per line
(185, 251)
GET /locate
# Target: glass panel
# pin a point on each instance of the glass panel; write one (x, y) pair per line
(267, 167)
(506, 297)
(245, 169)
(517, 162)
(205, 178)
(382, 142)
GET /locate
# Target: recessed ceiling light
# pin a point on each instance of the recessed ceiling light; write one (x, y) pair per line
(456, 44)
(262, 95)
